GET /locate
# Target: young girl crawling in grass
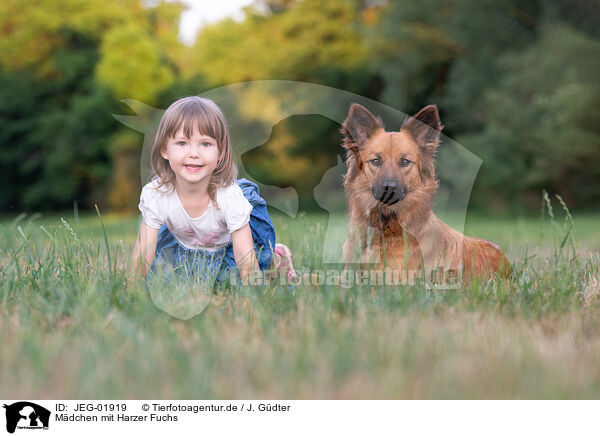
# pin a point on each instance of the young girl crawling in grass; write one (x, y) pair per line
(196, 217)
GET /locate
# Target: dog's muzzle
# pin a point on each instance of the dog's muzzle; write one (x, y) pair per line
(389, 192)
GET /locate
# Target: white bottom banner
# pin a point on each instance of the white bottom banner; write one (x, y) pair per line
(22, 417)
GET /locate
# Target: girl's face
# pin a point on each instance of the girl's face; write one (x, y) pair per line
(193, 159)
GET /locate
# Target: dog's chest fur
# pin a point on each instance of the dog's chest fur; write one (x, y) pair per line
(394, 245)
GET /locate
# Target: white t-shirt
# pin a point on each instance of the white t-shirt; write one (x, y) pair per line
(209, 231)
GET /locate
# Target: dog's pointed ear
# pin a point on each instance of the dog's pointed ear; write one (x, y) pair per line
(359, 126)
(425, 128)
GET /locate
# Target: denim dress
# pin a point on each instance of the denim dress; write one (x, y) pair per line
(219, 264)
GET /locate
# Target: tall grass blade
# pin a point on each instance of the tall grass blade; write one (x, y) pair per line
(105, 240)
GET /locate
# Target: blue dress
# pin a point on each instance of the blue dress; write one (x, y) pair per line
(218, 265)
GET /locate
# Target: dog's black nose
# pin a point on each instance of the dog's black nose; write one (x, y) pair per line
(389, 192)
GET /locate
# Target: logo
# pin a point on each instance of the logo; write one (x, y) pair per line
(26, 415)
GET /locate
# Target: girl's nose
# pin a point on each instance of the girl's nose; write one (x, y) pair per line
(194, 150)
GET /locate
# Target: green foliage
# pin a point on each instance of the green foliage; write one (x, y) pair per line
(484, 31)
(125, 148)
(306, 146)
(133, 65)
(55, 132)
(30, 31)
(63, 65)
(544, 134)
(293, 44)
(515, 81)
(412, 49)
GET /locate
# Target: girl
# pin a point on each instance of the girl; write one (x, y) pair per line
(195, 215)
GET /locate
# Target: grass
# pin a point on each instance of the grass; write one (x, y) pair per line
(75, 324)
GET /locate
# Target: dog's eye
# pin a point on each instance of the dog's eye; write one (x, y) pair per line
(404, 162)
(376, 162)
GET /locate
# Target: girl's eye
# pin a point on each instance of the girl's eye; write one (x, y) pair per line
(181, 143)
(404, 162)
(206, 144)
(376, 162)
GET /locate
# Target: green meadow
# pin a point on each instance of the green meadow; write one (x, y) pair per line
(75, 323)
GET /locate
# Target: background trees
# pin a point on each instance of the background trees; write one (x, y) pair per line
(516, 83)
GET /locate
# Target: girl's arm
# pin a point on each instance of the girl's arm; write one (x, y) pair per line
(243, 251)
(145, 246)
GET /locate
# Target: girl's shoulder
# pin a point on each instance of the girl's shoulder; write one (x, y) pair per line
(229, 194)
(155, 203)
(154, 188)
(233, 206)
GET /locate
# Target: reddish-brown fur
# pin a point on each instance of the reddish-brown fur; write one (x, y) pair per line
(406, 234)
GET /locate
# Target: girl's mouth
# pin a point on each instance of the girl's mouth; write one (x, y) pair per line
(193, 168)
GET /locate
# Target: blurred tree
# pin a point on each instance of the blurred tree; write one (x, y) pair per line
(303, 37)
(483, 30)
(30, 31)
(125, 181)
(133, 65)
(583, 15)
(163, 19)
(19, 112)
(296, 156)
(55, 131)
(522, 94)
(412, 51)
(63, 63)
(542, 123)
(441, 51)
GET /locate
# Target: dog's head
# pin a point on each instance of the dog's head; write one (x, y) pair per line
(395, 164)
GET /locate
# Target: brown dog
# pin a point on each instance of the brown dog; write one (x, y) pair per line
(390, 185)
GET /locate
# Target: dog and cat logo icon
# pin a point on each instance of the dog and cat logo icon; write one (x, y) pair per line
(26, 415)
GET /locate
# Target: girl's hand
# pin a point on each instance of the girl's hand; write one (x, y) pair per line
(145, 246)
(243, 251)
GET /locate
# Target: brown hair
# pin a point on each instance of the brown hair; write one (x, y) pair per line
(192, 111)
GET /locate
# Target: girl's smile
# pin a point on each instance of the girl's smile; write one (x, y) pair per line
(193, 168)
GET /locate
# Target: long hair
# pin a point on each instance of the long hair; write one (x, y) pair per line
(210, 121)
